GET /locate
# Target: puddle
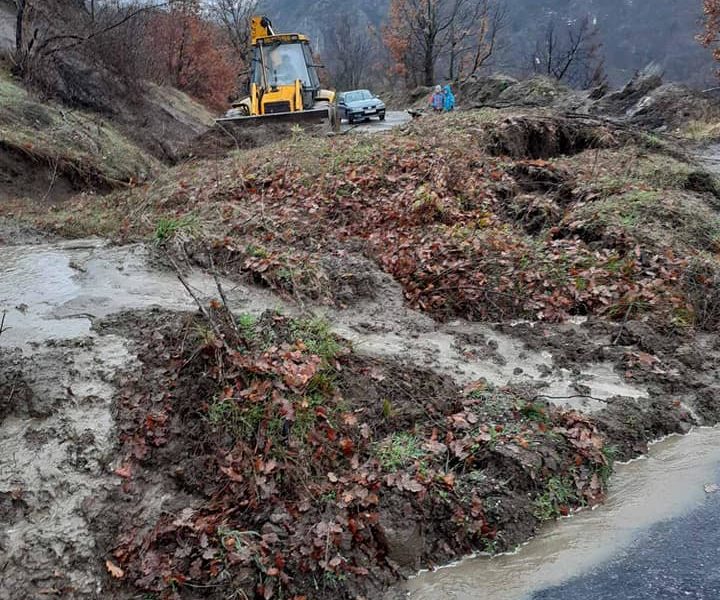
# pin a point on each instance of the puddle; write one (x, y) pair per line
(667, 484)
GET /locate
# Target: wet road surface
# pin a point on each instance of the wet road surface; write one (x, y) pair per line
(656, 538)
(393, 118)
(679, 558)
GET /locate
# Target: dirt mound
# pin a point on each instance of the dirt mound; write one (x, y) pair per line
(337, 476)
(485, 90)
(672, 105)
(537, 91)
(535, 138)
(226, 137)
(619, 102)
(646, 101)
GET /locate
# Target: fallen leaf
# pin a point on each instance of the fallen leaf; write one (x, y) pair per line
(114, 570)
(123, 471)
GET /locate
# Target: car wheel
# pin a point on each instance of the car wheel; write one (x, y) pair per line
(382, 116)
(351, 121)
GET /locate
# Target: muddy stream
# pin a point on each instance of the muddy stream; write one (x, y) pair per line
(56, 449)
(647, 495)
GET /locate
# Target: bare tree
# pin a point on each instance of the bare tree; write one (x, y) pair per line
(48, 27)
(234, 15)
(351, 47)
(571, 54)
(475, 36)
(421, 34)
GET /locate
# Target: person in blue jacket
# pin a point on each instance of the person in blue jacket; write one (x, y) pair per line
(437, 100)
(449, 100)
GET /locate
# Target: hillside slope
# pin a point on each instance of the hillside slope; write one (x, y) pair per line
(633, 32)
(49, 151)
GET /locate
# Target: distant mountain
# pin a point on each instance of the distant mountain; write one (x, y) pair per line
(634, 32)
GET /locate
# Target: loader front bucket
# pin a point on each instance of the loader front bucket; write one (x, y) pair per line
(315, 115)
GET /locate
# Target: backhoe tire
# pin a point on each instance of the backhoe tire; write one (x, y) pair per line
(334, 117)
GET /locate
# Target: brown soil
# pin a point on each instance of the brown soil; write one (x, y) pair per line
(174, 460)
(22, 176)
(223, 138)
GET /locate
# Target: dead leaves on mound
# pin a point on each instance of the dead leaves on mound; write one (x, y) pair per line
(298, 486)
(445, 224)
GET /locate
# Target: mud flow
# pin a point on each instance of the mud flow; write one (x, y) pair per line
(57, 431)
(59, 437)
(667, 484)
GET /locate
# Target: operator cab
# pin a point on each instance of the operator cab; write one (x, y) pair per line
(278, 63)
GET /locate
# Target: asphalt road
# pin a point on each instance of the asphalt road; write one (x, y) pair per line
(674, 559)
(393, 118)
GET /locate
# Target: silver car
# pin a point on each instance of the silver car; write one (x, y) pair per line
(358, 105)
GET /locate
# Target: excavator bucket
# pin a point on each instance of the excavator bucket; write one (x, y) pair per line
(325, 115)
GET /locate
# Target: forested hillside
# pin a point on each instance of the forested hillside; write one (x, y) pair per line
(633, 33)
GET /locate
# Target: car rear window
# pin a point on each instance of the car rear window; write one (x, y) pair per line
(358, 96)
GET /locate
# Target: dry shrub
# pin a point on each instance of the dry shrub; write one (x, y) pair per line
(702, 286)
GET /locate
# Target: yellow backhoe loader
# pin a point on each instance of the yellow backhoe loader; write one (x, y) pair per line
(284, 83)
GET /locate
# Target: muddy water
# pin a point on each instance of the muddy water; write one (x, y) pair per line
(467, 352)
(666, 484)
(55, 290)
(56, 450)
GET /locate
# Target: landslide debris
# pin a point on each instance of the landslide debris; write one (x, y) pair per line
(644, 101)
(461, 211)
(274, 462)
(265, 457)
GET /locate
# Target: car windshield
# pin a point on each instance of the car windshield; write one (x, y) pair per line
(285, 64)
(358, 96)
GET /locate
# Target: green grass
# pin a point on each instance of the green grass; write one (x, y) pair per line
(167, 228)
(315, 333)
(398, 451)
(246, 324)
(560, 492)
(535, 412)
(606, 470)
(241, 423)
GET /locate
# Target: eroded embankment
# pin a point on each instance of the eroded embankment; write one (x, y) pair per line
(263, 455)
(632, 539)
(393, 437)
